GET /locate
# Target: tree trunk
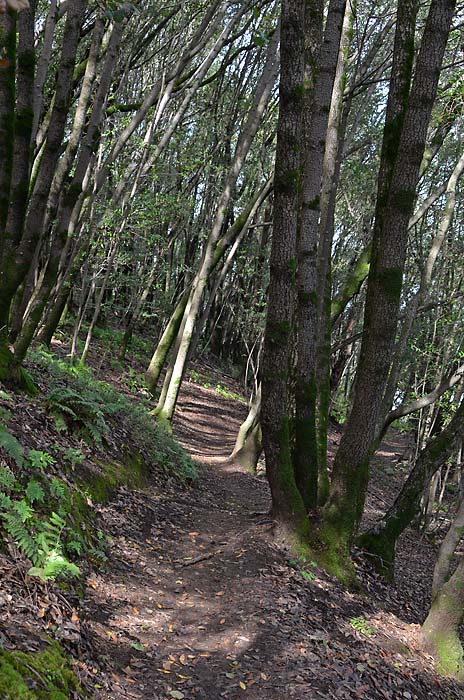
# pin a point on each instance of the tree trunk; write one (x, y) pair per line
(321, 63)
(246, 138)
(380, 541)
(402, 150)
(288, 507)
(441, 628)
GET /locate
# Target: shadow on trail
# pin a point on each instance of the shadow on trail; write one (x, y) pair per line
(199, 604)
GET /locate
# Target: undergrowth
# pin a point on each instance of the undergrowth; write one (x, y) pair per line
(44, 514)
(79, 402)
(35, 507)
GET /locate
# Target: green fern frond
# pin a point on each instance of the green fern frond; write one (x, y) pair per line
(22, 509)
(8, 480)
(12, 447)
(57, 488)
(34, 492)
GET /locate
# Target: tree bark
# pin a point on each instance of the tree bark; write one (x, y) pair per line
(402, 150)
(288, 507)
(380, 541)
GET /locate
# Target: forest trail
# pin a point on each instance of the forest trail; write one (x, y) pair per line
(199, 604)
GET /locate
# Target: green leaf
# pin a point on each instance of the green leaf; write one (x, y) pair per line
(11, 446)
(138, 646)
(34, 492)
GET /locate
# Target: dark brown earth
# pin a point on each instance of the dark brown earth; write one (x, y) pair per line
(197, 602)
(200, 604)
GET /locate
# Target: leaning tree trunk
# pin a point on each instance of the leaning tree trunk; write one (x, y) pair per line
(246, 138)
(172, 330)
(441, 572)
(380, 541)
(248, 445)
(22, 231)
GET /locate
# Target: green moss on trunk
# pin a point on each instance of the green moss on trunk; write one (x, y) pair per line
(44, 675)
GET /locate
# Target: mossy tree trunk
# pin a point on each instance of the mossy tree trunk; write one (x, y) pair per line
(441, 627)
(25, 217)
(419, 297)
(336, 130)
(407, 120)
(441, 572)
(288, 507)
(321, 59)
(72, 197)
(173, 327)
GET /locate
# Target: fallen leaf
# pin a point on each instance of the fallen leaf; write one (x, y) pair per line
(176, 694)
(243, 685)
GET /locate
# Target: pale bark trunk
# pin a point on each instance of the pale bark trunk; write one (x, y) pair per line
(98, 302)
(441, 628)
(454, 535)
(250, 128)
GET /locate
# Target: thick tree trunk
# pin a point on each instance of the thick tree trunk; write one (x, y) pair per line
(336, 129)
(404, 142)
(441, 628)
(287, 504)
(321, 64)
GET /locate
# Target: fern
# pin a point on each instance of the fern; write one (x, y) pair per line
(40, 460)
(11, 446)
(23, 510)
(8, 480)
(55, 565)
(57, 488)
(83, 409)
(34, 492)
(21, 535)
(5, 501)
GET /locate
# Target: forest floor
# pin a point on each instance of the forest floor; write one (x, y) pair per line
(197, 602)
(217, 611)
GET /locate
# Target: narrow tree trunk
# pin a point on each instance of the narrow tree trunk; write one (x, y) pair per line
(248, 444)
(380, 541)
(246, 138)
(441, 573)
(98, 302)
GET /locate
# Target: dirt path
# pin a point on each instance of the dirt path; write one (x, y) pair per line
(199, 604)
